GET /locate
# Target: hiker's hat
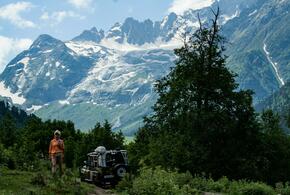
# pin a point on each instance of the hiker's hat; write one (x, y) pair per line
(57, 132)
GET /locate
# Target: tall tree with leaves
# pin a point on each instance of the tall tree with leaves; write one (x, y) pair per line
(276, 148)
(100, 135)
(8, 130)
(201, 122)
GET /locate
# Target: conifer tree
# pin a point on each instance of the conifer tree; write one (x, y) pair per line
(201, 122)
(8, 130)
(276, 148)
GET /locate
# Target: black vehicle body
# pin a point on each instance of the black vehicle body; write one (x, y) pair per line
(105, 167)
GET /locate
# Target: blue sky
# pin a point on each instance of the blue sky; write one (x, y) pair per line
(21, 22)
(64, 19)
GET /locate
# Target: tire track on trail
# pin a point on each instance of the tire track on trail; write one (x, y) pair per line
(101, 191)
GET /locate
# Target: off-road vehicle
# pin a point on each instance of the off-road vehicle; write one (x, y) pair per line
(105, 167)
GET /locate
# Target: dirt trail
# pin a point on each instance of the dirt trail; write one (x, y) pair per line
(101, 191)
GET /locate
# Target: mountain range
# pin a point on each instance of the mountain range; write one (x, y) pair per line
(100, 75)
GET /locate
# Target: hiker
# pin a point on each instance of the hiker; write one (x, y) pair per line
(56, 152)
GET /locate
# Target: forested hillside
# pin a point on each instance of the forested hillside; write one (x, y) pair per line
(8, 110)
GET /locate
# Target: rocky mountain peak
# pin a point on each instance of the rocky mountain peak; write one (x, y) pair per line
(45, 41)
(91, 35)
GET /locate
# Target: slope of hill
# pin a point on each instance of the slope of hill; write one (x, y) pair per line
(259, 49)
(110, 75)
(278, 101)
(18, 115)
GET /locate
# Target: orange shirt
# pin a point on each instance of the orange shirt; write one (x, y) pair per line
(56, 146)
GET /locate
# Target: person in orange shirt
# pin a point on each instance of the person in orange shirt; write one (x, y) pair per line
(56, 152)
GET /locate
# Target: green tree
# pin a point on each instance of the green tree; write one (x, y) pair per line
(36, 136)
(100, 135)
(103, 136)
(276, 149)
(8, 130)
(201, 122)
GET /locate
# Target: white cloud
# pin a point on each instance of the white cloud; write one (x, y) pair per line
(58, 17)
(11, 12)
(9, 48)
(45, 16)
(80, 3)
(179, 6)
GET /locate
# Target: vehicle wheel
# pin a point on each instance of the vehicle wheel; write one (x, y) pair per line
(120, 171)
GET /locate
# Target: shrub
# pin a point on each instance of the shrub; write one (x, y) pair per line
(200, 183)
(125, 184)
(7, 157)
(244, 188)
(283, 189)
(159, 181)
(218, 186)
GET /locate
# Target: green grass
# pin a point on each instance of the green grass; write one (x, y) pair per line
(12, 182)
(41, 183)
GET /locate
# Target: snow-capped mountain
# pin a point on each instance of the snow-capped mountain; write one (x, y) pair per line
(46, 71)
(91, 35)
(110, 75)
